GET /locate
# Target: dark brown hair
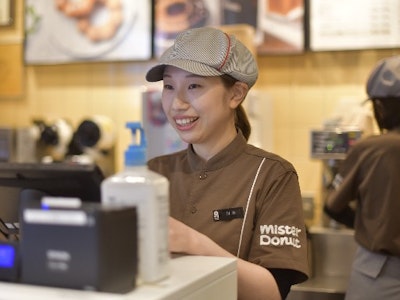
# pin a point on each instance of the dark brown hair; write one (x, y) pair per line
(241, 120)
(387, 113)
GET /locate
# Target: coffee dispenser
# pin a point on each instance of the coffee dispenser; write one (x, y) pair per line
(330, 146)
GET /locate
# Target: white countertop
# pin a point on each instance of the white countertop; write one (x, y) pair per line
(192, 277)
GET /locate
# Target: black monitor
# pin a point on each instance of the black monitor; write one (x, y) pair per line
(55, 179)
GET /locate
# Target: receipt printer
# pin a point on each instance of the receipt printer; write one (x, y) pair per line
(79, 246)
(9, 266)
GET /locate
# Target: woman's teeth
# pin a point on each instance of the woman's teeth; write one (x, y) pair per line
(185, 121)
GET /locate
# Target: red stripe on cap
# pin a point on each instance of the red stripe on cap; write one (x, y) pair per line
(227, 52)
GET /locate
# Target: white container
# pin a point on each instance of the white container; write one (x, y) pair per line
(149, 192)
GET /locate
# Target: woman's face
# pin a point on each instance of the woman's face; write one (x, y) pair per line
(201, 109)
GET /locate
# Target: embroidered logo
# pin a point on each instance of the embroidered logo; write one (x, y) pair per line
(280, 235)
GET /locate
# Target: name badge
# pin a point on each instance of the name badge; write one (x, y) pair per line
(228, 214)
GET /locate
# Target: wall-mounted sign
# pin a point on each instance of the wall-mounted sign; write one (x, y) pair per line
(174, 16)
(106, 30)
(279, 24)
(354, 24)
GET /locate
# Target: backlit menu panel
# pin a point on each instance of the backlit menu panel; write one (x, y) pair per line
(354, 24)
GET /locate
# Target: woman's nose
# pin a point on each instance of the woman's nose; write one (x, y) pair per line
(180, 101)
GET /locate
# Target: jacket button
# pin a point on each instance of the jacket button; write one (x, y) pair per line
(203, 176)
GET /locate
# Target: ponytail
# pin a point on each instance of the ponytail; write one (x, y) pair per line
(242, 121)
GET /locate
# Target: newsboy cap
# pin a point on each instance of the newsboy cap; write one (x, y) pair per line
(208, 51)
(384, 80)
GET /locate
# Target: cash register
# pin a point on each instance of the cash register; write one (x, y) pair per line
(58, 234)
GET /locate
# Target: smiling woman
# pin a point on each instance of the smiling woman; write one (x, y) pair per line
(189, 103)
(227, 197)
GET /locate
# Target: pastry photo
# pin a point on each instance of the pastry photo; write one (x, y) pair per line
(68, 30)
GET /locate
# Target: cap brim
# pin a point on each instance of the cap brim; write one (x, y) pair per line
(156, 73)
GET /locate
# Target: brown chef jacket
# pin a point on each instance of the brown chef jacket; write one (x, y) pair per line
(245, 199)
(371, 176)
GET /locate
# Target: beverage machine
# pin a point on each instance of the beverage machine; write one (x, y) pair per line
(330, 146)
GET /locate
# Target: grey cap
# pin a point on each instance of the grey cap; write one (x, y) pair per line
(384, 81)
(208, 51)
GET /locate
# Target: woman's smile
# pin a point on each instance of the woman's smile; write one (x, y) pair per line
(185, 121)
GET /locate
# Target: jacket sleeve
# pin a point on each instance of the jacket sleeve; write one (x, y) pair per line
(345, 216)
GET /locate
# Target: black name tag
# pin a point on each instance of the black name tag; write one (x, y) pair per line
(228, 214)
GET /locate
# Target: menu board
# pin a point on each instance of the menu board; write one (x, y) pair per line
(278, 24)
(354, 24)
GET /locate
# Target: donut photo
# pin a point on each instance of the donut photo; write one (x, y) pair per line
(174, 16)
(73, 30)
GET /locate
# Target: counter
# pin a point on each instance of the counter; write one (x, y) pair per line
(192, 278)
(331, 255)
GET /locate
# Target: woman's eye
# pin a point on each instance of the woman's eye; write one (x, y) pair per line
(193, 86)
(168, 87)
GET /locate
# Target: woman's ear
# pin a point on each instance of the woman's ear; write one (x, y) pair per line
(239, 92)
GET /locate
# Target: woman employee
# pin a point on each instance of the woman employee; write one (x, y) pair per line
(370, 177)
(227, 198)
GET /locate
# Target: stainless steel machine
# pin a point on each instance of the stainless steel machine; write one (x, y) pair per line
(331, 246)
(331, 147)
